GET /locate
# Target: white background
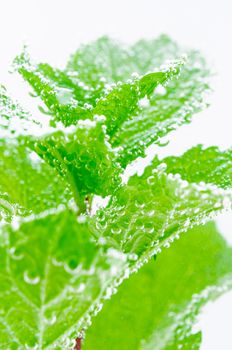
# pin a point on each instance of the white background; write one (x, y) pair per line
(54, 29)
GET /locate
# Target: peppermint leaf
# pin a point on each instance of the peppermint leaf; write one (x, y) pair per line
(163, 309)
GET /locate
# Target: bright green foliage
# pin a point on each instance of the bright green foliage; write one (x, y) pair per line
(83, 156)
(153, 309)
(161, 203)
(123, 102)
(119, 101)
(104, 60)
(60, 257)
(167, 109)
(138, 116)
(52, 279)
(52, 91)
(27, 186)
(199, 165)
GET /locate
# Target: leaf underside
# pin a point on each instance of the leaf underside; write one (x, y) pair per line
(163, 309)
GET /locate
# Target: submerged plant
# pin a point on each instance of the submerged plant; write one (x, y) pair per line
(63, 253)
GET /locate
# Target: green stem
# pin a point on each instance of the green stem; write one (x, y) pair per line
(79, 199)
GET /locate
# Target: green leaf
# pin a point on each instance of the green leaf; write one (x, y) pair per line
(83, 156)
(123, 102)
(132, 123)
(157, 307)
(167, 109)
(199, 164)
(153, 209)
(27, 184)
(68, 101)
(53, 280)
(164, 111)
(146, 54)
(107, 60)
(65, 84)
(104, 60)
(54, 88)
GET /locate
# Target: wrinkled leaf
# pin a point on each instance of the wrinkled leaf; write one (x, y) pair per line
(53, 95)
(200, 164)
(27, 185)
(83, 156)
(162, 203)
(53, 278)
(167, 109)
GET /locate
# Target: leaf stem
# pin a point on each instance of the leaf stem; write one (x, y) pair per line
(78, 344)
(79, 199)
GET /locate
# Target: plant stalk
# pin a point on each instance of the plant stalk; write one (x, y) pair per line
(78, 344)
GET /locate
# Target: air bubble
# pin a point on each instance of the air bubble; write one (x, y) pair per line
(160, 90)
(151, 180)
(81, 219)
(149, 228)
(71, 269)
(135, 75)
(139, 203)
(55, 262)
(15, 223)
(109, 292)
(51, 320)
(30, 279)
(166, 245)
(132, 257)
(113, 253)
(98, 308)
(116, 230)
(15, 253)
(162, 167)
(150, 213)
(81, 288)
(102, 241)
(144, 102)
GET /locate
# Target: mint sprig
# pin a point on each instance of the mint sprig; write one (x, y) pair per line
(62, 258)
